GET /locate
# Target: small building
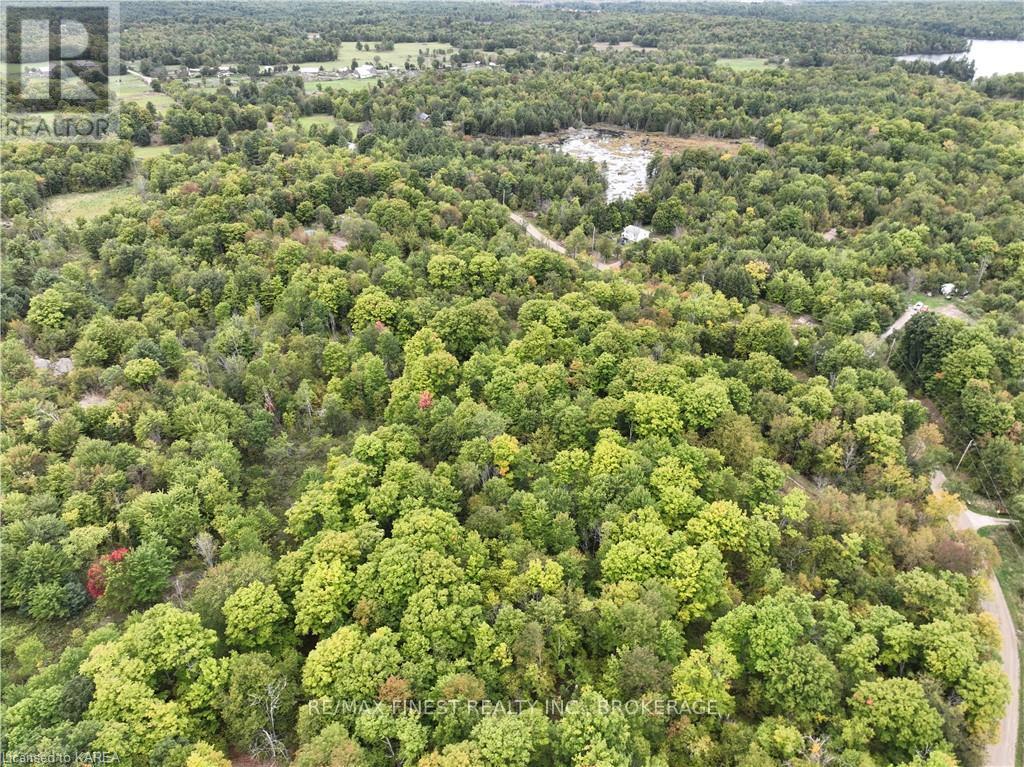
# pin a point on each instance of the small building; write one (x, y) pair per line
(312, 35)
(365, 71)
(948, 289)
(422, 117)
(309, 70)
(633, 234)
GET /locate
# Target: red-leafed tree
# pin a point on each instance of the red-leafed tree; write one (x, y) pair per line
(95, 578)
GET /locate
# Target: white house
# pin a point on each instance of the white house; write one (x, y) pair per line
(634, 234)
(365, 71)
(948, 289)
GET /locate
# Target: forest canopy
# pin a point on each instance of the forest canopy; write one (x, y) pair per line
(315, 453)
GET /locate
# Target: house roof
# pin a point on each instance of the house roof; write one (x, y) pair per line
(635, 233)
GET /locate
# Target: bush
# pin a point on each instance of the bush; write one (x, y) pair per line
(142, 371)
(47, 601)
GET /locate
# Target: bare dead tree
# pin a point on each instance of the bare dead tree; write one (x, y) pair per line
(267, 744)
(206, 545)
(178, 591)
(816, 751)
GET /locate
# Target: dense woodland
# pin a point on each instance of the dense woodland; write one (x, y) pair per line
(339, 442)
(212, 33)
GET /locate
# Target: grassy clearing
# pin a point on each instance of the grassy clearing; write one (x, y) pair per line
(160, 101)
(933, 301)
(341, 85)
(311, 120)
(938, 303)
(149, 152)
(212, 84)
(130, 88)
(88, 205)
(397, 58)
(1010, 573)
(128, 85)
(744, 64)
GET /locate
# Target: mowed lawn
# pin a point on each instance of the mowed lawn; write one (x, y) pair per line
(744, 65)
(88, 205)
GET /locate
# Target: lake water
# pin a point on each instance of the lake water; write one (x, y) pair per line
(622, 161)
(991, 57)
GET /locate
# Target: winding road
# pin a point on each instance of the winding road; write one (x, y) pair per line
(1003, 751)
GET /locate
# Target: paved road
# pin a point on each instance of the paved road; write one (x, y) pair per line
(1002, 752)
(537, 234)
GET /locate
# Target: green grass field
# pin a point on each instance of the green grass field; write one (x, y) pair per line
(131, 88)
(87, 205)
(1011, 577)
(933, 301)
(311, 120)
(212, 84)
(397, 58)
(744, 65)
(340, 85)
(127, 86)
(149, 152)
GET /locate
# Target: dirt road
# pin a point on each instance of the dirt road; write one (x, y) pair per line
(146, 80)
(537, 234)
(902, 320)
(1002, 752)
(950, 310)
